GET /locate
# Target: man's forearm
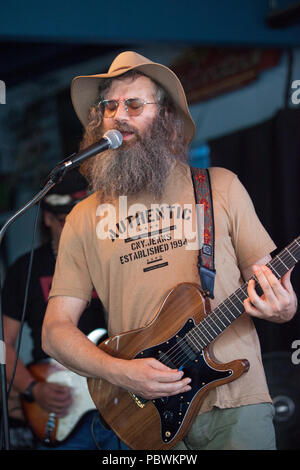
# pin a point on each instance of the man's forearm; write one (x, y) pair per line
(69, 346)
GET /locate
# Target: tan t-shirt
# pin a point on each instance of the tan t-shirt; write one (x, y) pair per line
(134, 257)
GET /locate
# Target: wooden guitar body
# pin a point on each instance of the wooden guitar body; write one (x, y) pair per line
(161, 423)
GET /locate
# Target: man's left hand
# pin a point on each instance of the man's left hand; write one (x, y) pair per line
(278, 303)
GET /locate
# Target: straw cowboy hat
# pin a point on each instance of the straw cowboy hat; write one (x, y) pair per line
(84, 89)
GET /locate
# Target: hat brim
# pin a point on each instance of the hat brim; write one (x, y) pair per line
(84, 91)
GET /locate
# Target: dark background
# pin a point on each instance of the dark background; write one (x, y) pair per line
(42, 47)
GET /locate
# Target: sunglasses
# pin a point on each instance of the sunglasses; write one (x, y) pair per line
(133, 106)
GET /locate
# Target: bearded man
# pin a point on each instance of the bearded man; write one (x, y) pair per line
(146, 103)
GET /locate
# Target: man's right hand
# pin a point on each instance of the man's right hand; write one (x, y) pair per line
(149, 378)
(53, 398)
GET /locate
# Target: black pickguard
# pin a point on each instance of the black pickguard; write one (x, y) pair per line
(172, 410)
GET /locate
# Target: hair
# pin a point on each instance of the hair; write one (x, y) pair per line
(170, 117)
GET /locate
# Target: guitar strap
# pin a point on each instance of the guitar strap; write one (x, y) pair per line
(206, 257)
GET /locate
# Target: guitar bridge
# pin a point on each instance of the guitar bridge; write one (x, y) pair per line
(141, 402)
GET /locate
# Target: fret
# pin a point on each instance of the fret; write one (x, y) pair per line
(206, 331)
(209, 323)
(236, 295)
(243, 294)
(216, 318)
(195, 333)
(209, 326)
(224, 317)
(191, 340)
(201, 333)
(283, 263)
(232, 303)
(244, 290)
(273, 269)
(219, 317)
(201, 344)
(281, 268)
(211, 318)
(291, 254)
(227, 310)
(289, 260)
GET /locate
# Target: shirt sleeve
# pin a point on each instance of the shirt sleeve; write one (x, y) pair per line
(249, 237)
(71, 276)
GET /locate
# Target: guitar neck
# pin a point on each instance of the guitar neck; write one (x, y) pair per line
(233, 307)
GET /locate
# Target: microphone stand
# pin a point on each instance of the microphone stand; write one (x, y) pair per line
(55, 177)
(112, 139)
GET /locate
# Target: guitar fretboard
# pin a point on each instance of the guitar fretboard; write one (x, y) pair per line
(233, 307)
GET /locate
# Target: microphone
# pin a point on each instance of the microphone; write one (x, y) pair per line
(111, 140)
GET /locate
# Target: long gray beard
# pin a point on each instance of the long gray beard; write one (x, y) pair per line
(143, 165)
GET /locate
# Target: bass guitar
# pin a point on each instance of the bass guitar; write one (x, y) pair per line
(179, 337)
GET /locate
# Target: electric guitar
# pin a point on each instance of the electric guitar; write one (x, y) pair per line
(46, 426)
(179, 337)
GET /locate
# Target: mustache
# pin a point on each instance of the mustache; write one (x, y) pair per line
(124, 127)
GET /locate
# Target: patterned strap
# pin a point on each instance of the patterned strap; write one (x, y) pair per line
(206, 258)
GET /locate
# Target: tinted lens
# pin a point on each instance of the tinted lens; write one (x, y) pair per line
(134, 106)
(109, 107)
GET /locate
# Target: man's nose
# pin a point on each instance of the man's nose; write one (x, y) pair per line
(121, 113)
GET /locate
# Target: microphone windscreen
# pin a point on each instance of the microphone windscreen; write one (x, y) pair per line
(114, 137)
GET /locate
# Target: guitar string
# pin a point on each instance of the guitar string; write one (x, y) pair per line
(208, 323)
(276, 263)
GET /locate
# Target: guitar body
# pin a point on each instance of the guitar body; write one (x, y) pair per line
(161, 423)
(49, 429)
